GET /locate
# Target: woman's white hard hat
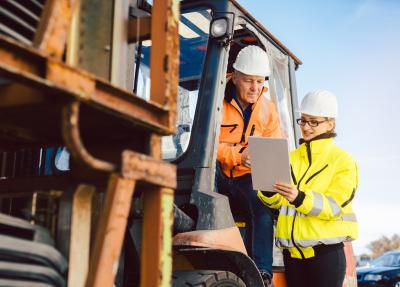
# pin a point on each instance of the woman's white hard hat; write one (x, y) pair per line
(252, 60)
(320, 103)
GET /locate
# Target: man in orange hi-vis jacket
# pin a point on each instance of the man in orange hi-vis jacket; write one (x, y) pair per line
(247, 112)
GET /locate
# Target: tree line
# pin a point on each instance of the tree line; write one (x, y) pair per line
(383, 244)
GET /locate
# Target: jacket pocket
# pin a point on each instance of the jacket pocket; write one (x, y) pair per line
(232, 127)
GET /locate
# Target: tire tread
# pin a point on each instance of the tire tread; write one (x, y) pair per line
(206, 278)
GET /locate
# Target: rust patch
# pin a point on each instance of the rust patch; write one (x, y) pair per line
(75, 80)
(144, 168)
(21, 59)
(164, 62)
(53, 28)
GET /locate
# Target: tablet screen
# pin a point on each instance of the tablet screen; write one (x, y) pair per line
(269, 162)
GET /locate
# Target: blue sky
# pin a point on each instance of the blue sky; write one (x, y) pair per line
(352, 47)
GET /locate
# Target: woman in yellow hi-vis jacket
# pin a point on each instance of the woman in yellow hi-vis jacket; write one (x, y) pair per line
(315, 210)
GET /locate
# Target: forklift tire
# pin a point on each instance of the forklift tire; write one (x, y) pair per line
(206, 278)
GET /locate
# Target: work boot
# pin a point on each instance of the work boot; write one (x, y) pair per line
(267, 278)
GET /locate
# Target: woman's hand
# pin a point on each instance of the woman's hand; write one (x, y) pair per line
(287, 190)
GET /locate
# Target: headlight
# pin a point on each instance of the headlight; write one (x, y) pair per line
(373, 277)
(219, 27)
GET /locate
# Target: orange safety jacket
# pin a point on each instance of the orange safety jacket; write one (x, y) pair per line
(264, 121)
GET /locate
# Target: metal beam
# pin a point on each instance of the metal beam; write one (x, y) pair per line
(72, 139)
(110, 233)
(80, 235)
(51, 34)
(164, 61)
(147, 169)
(57, 80)
(156, 260)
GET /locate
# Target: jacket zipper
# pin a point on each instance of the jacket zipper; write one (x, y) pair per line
(294, 218)
(244, 134)
(293, 177)
(245, 128)
(253, 128)
(232, 126)
(242, 138)
(292, 235)
(309, 162)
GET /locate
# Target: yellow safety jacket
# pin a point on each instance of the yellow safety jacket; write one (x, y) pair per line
(326, 177)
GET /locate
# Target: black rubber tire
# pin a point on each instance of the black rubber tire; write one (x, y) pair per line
(206, 278)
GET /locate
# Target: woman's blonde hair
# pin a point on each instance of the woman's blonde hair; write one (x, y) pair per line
(332, 132)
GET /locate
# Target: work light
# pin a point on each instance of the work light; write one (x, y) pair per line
(219, 27)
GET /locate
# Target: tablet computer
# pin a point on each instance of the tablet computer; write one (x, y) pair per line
(269, 162)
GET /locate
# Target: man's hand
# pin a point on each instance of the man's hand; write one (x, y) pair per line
(245, 159)
(287, 190)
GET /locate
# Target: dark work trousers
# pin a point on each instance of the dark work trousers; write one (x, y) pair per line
(326, 269)
(259, 239)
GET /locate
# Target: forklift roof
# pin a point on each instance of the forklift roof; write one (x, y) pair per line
(269, 34)
(263, 29)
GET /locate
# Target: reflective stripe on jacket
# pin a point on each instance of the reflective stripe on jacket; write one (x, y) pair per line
(328, 177)
(264, 121)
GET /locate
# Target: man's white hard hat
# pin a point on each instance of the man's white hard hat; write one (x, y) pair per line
(320, 103)
(252, 60)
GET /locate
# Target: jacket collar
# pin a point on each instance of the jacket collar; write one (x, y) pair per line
(319, 137)
(319, 143)
(230, 89)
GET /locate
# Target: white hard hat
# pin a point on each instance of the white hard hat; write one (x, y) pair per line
(252, 60)
(320, 103)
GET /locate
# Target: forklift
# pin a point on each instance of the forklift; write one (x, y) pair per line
(113, 41)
